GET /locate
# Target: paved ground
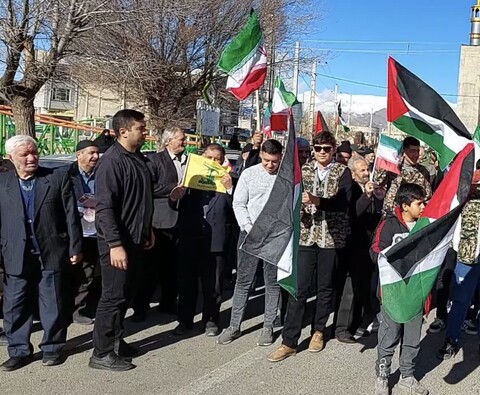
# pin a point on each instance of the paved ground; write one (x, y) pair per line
(196, 365)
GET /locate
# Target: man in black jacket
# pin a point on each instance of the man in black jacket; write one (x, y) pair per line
(203, 219)
(40, 235)
(83, 178)
(356, 269)
(161, 261)
(124, 207)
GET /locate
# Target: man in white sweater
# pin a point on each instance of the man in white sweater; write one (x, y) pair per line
(251, 195)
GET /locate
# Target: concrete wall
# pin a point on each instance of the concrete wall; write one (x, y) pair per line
(468, 107)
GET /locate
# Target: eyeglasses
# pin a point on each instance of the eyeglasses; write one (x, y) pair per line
(319, 148)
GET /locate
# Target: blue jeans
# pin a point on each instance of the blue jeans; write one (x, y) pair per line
(466, 280)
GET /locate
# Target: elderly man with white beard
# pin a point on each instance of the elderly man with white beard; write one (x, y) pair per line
(356, 296)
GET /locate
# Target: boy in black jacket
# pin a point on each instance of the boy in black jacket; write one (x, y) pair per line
(409, 206)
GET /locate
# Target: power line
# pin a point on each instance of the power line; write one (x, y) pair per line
(382, 86)
(382, 42)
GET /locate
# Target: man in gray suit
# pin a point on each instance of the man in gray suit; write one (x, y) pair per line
(161, 260)
(40, 236)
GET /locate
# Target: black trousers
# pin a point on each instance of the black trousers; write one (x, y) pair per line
(21, 295)
(444, 281)
(196, 260)
(353, 291)
(117, 290)
(160, 267)
(83, 273)
(321, 263)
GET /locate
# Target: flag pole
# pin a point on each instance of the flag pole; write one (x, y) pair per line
(257, 99)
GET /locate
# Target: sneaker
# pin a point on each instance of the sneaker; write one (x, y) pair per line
(228, 336)
(317, 343)
(281, 353)
(266, 337)
(437, 326)
(448, 350)
(411, 385)
(471, 327)
(381, 386)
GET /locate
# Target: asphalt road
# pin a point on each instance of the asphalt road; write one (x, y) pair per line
(197, 365)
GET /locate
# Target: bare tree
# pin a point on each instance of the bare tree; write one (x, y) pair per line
(167, 58)
(35, 36)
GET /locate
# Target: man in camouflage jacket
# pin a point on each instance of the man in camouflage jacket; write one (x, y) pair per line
(324, 229)
(411, 172)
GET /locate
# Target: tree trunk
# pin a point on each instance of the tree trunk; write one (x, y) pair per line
(24, 115)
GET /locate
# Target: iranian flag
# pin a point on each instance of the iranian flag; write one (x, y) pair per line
(282, 99)
(245, 60)
(388, 154)
(267, 122)
(416, 109)
(408, 270)
(275, 235)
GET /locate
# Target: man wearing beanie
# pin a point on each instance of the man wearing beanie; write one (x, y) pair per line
(344, 153)
(82, 173)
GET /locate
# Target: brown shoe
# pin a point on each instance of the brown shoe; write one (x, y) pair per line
(281, 353)
(317, 343)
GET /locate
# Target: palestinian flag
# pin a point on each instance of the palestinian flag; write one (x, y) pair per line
(320, 124)
(275, 235)
(388, 155)
(282, 99)
(340, 120)
(408, 270)
(476, 135)
(416, 109)
(245, 60)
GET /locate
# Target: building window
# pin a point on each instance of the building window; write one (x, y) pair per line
(61, 94)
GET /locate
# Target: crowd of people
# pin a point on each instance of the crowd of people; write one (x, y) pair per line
(151, 232)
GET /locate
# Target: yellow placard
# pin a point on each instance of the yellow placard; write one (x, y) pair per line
(204, 174)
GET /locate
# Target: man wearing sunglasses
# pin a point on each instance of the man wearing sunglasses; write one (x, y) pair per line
(327, 188)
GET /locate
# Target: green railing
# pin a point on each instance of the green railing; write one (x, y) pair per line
(54, 139)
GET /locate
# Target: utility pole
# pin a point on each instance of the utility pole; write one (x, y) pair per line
(335, 98)
(296, 68)
(313, 83)
(349, 111)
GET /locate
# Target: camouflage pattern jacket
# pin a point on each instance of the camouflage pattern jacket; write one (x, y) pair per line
(412, 174)
(468, 239)
(327, 225)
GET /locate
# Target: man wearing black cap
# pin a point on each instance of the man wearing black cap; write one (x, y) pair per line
(344, 153)
(369, 156)
(82, 173)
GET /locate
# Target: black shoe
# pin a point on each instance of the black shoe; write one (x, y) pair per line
(51, 359)
(15, 363)
(346, 339)
(182, 329)
(211, 329)
(125, 350)
(3, 339)
(81, 319)
(167, 309)
(448, 350)
(111, 362)
(139, 317)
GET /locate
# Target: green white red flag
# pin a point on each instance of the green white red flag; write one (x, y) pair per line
(388, 155)
(245, 60)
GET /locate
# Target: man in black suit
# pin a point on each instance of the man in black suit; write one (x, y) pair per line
(161, 261)
(124, 208)
(203, 220)
(40, 235)
(83, 178)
